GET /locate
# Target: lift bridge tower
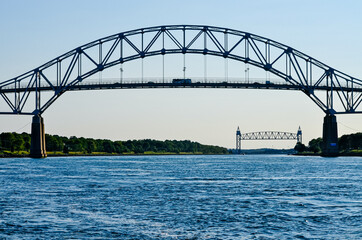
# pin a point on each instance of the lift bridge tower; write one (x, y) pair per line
(267, 135)
(238, 141)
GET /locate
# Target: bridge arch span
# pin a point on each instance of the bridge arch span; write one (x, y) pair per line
(343, 93)
(299, 71)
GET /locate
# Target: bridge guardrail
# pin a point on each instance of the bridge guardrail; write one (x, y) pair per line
(146, 81)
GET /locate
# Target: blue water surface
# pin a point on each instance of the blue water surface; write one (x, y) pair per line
(181, 197)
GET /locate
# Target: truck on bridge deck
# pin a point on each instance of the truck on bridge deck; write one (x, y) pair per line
(181, 81)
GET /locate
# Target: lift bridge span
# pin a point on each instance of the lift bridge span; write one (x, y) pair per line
(266, 135)
(333, 91)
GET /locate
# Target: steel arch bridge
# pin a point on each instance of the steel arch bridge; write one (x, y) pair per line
(343, 93)
(333, 91)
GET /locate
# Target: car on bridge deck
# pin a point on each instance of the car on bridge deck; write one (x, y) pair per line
(181, 81)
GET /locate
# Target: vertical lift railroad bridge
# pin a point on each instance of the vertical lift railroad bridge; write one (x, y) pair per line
(33, 92)
(266, 135)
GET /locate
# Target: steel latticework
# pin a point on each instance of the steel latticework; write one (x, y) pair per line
(269, 135)
(266, 135)
(341, 93)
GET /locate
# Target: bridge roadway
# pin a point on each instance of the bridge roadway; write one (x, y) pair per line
(169, 84)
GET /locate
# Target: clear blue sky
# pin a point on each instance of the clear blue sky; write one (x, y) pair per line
(33, 32)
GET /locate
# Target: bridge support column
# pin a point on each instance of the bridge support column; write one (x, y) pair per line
(330, 136)
(37, 148)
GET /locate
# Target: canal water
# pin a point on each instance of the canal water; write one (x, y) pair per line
(181, 197)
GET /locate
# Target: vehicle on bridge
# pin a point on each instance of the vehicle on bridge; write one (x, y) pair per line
(181, 81)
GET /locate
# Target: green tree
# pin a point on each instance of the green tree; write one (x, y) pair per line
(75, 144)
(91, 145)
(108, 146)
(120, 147)
(138, 149)
(65, 149)
(300, 147)
(315, 145)
(351, 141)
(7, 140)
(27, 141)
(53, 143)
(18, 143)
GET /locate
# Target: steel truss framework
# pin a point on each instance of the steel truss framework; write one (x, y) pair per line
(343, 93)
(269, 135)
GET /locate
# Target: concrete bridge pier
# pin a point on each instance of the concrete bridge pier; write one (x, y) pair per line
(330, 136)
(37, 148)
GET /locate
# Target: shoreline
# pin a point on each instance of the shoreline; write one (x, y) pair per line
(12, 155)
(349, 154)
(106, 155)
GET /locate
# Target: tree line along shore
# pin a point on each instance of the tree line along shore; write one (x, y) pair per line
(349, 145)
(16, 144)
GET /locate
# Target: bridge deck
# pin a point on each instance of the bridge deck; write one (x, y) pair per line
(149, 84)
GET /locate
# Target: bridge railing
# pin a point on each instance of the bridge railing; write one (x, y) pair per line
(169, 80)
(161, 80)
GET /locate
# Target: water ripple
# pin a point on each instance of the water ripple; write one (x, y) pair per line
(181, 197)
